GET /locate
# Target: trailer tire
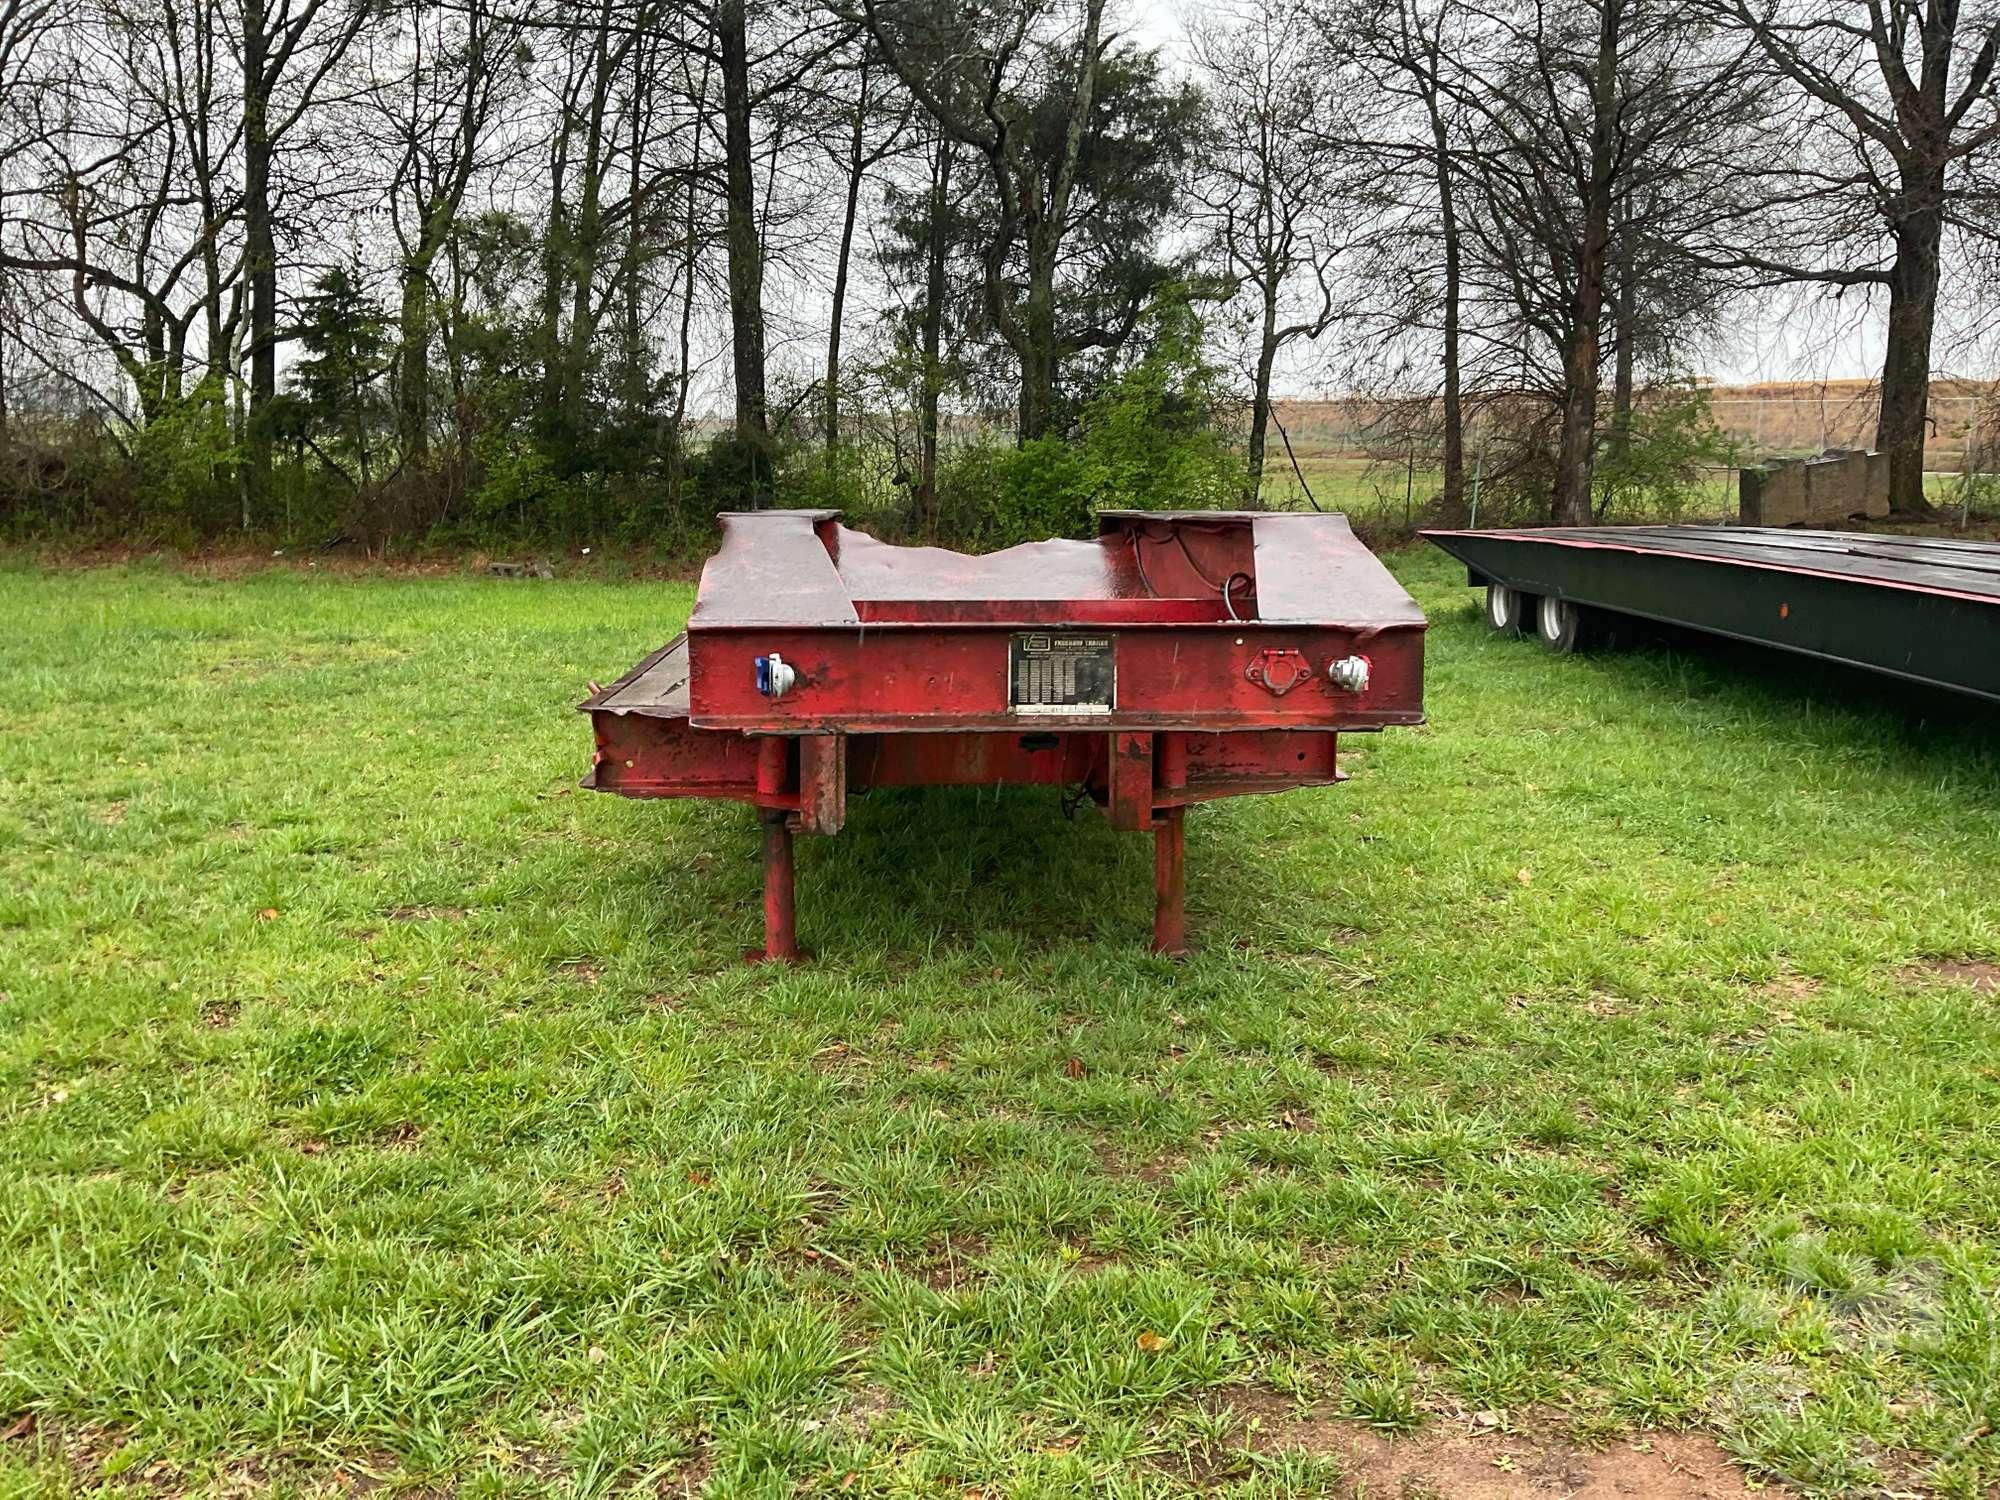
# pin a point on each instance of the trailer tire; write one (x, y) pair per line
(1507, 610)
(1562, 626)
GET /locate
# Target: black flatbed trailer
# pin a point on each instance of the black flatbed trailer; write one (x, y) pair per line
(1926, 609)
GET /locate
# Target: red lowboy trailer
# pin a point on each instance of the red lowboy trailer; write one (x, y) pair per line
(1179, 657)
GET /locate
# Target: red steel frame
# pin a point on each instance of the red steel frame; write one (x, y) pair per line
(1225, 628)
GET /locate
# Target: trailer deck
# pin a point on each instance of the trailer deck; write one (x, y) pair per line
(1177, 658)
(1926, 609)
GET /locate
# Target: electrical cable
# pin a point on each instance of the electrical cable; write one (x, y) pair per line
(1139, 561)
(1229, 603)
(1226, 588)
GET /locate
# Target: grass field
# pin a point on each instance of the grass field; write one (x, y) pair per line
(1391, 498)
(1618, 1053)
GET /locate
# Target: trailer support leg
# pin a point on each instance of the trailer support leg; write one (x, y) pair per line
(781, 938)
(1170, 883)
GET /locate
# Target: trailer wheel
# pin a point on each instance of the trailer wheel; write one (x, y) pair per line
(1506, 609)
(1560, 625)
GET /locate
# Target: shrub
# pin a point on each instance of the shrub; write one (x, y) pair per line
(518, 483)
(1672, 440)
(816, 478)
(1148, 440)
(731, 473)
(184, 461)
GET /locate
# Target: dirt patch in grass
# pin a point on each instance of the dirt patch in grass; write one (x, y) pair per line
(1154, 1171)
(1982, 977)
(953, 1265)
(1789, 987)
(86, 1450)
(868, 1408)
(838, 1058)
(1487, 1458)
(692, 1477)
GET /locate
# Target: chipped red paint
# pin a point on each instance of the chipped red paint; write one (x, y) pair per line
(907, 674)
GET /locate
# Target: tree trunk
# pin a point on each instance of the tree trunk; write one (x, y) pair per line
(454, 321)
(933, 337)
(1582, 370)
(239, 417)
(1038, 354)
(413, 374)
(1625, 329)
(260, 258)
(587, 242)
(1579, 420)
(6, 332)
(635, 380)
(582, 331)
(1906, 364)
(1260, 392)
(746, 258)
(555, 259)
(1453, 498)
(555, 277)
(855, 165)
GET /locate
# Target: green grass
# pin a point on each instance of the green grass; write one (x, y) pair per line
(1366, 490)
(377, 1107)
(1391, 498)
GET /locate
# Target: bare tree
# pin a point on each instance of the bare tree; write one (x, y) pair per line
(26, 26)
(1400, 58)
(1269, 184)
(744, 243)
(116, 195)
(1576, 114)
(873, 134)
(287, 50)
(454, 68)
(1896, 116)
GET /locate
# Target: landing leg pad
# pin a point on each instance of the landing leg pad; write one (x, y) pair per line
(763, 956)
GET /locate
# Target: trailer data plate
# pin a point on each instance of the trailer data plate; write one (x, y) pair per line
(1052, 673)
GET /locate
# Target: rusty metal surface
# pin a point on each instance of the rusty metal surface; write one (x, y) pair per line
(875, 571)
(777, 568)
(657, 686)
(1311, 570)
(1192, 677)
(772, 568)
(886, 638)
(1205, 645)
(1170, 882)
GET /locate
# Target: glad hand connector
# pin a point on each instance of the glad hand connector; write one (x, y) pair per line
(1349, 674)
(775, 676)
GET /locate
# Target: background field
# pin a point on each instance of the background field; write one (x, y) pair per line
(1615, 1053)
(1392, 496)
(1776, 418)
